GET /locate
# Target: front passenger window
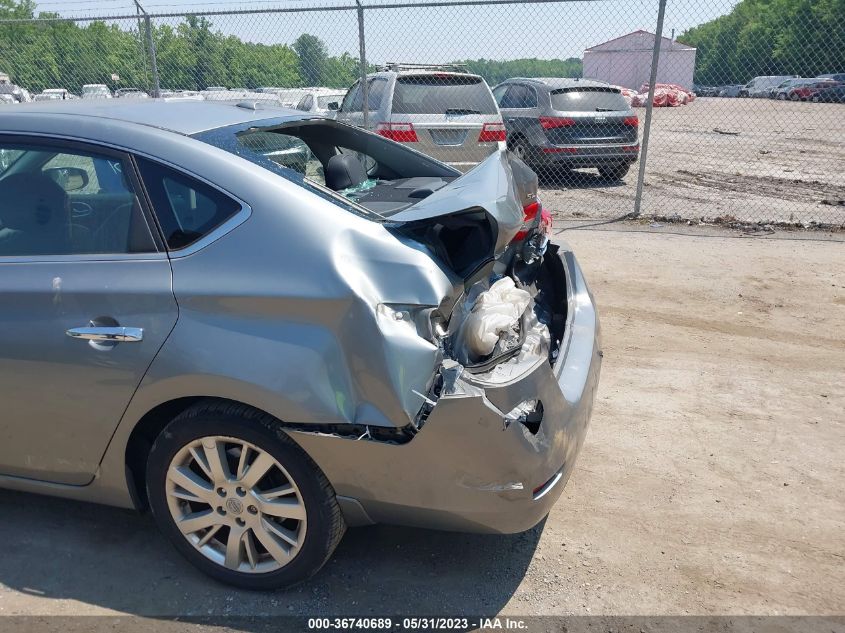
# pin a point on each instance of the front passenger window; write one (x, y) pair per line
(68, 202)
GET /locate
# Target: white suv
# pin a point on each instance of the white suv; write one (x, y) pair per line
(451, 116)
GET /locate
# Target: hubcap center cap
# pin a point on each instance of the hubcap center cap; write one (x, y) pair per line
(234, 505)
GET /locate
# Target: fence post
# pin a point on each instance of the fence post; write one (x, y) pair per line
(362, 53)
(649, 106)
(153, 65)
(142, 46)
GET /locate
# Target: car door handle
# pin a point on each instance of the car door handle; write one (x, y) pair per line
(112, 334)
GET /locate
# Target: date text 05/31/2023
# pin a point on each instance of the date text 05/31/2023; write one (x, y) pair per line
(417, 624)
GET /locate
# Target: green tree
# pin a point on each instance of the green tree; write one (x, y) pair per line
(313, 58)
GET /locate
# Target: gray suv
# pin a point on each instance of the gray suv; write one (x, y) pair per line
(450, 116)
(264, 351)
(568, 123)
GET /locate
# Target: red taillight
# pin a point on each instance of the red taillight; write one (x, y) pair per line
(552, 122)
(631, 121)
(529, 212)
(399, 132)
(492, 133)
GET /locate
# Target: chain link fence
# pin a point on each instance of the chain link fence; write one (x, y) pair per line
(720, 111)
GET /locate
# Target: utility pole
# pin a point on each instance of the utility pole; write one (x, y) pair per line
(152, 47)
(655, 59)
(362, 52)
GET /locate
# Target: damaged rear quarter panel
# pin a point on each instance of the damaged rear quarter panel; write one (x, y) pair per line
(290, 300)
(467, 468)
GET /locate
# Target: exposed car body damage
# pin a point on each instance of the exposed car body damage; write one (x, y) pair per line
(472, 466)
(342, 314)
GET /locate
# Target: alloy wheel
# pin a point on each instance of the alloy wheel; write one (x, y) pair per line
(236, 504)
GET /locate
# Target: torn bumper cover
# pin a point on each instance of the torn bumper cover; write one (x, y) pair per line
(472, 466)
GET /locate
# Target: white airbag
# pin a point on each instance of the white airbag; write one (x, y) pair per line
(495, 311)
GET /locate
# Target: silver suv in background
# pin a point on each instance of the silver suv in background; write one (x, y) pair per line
(447, 114)
(559, 122)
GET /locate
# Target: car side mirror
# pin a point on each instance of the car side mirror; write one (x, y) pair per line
(334, 106)
(68, 178)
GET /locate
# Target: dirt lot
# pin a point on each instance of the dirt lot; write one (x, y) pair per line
(710, 482)
(757, 160)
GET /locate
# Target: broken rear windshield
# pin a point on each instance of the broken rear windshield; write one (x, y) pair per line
(437, 94)
(587, 100)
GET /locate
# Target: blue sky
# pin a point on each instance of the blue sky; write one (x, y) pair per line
(432, 34)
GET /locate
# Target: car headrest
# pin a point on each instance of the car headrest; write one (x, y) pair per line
(344, 171)
(29, 201)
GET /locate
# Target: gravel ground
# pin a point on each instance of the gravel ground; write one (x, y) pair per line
(756, 160)
(710, 481)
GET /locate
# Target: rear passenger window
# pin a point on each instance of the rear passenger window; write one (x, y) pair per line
(187, 209)
(375, 92)
(519, 97)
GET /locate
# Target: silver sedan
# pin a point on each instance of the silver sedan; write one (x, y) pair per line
(267, 326)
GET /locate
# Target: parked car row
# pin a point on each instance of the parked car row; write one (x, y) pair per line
(822, 88)
(89, 91)
(454, 116)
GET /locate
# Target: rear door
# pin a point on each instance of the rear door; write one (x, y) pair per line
(87, 304)
(589, 116)
(519, 108)
(448, 111)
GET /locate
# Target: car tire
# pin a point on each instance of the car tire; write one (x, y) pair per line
(794, 97)
(259, 531)
(616, 172)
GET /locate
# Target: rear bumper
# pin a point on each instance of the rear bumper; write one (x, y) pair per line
(460, 157)
(467, 469)
(588, 155)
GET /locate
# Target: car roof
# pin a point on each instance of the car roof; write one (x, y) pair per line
(420, 71)
(562, 82)
(178, 115)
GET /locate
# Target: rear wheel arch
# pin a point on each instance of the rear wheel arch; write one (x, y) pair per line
(515, 138)
(152, 423)
(519, 139)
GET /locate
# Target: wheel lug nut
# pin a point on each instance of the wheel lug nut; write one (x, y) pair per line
(240, 521)
(252, 509)
(241, 492)
(221, 511)
(221, 491)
